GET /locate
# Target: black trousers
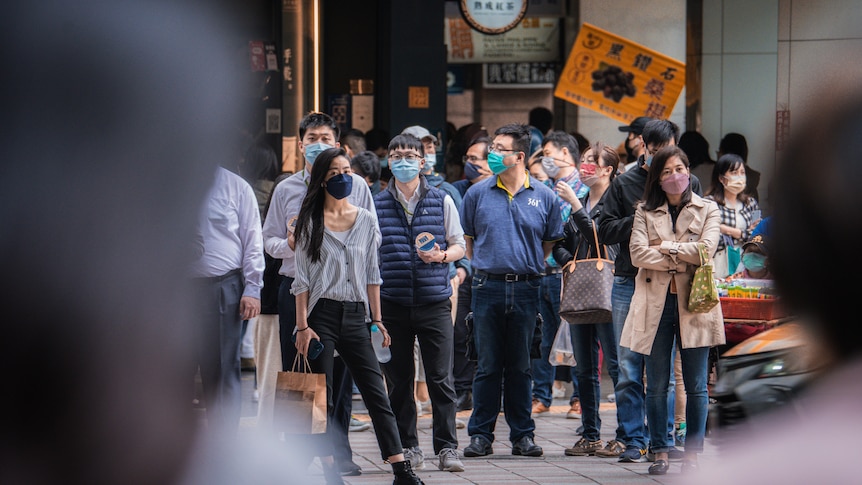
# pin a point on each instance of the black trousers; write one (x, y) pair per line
(431, 324)
(463, 369)
(342, 382)
(341, 326)
(217, 348)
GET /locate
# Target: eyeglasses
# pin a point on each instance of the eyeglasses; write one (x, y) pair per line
(410, 157)
(471, 159)
(500, 149)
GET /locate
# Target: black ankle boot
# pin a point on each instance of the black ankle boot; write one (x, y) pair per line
(332, 475)
(404, 474)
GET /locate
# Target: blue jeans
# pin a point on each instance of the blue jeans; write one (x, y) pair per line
(543, 371)
(629, 390)
(659, 366)
(585, 342)
(504, 317)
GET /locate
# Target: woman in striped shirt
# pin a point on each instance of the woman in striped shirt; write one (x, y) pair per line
(337, 282)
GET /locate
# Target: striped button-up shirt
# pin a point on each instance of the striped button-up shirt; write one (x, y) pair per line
(346, 266)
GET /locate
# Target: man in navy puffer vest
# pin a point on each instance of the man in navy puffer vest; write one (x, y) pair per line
(415, 296)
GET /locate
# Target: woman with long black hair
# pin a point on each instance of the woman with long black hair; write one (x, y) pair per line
(337, 290)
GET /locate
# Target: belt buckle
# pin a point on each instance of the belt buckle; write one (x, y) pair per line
(510, 278)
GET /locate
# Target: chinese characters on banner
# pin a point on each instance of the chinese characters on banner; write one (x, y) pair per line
(618, 78)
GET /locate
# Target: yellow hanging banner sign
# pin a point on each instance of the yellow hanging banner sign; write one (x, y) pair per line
(619, 78)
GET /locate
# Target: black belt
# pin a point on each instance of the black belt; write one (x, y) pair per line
(350, 306)
(551, 271)
(219, 279)
(510, 277)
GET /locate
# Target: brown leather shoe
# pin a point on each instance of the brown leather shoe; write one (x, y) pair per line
(575, 411)
(539, 407)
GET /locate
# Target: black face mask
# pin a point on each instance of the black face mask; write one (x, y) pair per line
(630, 156)
(340, 185)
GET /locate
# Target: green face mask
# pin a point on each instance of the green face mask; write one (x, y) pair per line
(754, 262)
(495, 163)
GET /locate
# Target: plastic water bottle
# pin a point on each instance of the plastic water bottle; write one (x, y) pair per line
(383, 353)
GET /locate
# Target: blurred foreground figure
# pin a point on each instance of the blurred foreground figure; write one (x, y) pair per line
(816, 182)
(115, 116)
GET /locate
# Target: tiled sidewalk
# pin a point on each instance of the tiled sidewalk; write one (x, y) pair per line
(553, 432)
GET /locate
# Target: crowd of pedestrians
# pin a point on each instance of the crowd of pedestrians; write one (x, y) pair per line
(86, 312)
(464, 280)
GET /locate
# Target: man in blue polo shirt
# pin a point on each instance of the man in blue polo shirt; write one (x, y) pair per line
(510, 226)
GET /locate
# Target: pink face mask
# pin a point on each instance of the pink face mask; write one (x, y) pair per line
(588, 169)
(675, 183)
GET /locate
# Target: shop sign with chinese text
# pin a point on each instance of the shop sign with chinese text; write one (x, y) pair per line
(619, 78)
(535, 39)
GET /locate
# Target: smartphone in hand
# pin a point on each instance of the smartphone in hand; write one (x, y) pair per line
(314, 347)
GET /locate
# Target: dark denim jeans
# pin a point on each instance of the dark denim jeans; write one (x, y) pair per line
(586, 339)
(543, 371)
(504, 317)
(695, 372)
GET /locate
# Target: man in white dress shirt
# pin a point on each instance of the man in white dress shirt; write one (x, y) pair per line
(228, 279)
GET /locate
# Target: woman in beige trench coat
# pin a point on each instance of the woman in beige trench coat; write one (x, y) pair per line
(668, 226)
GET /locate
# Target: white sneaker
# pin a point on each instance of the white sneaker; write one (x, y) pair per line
(357, 425)
(415, 456)
(449, 461)
(559, 392)
(423, 408)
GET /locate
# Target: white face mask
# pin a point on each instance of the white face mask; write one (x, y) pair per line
(549, 165)
(734, 183)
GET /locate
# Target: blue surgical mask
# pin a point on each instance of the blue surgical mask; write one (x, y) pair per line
(648, 161)
(313, 150)
(754, 262)
(384, 161)
(430, 162)
(404, 170)
(340, 186)
(495, 163)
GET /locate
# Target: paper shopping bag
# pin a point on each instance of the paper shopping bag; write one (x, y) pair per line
(300, 400)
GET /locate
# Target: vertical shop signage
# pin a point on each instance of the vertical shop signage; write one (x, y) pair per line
(271, 57)
(782, 129)
(619, 78)
(257, 55)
